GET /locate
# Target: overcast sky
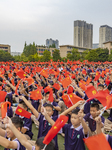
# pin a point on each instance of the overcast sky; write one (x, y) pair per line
(38, 20)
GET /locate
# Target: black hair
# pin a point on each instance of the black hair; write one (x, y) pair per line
(49, 105)
(1, 79)
(40, 144)
(47, 93)
(75, 111)
(23, 103)
(101, 85)
(92, 83)
(96, 105)
(7, 85)
(109, 87)
(18, 122)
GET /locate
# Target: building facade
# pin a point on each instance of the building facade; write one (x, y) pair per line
(6, 48)
(105, 34)
(65, 49)
(83, 34)
(108, 45)
(16, 53)
(95, 45)
(41, 49)
(49, 42)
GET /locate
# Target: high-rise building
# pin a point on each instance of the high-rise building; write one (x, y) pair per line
(105, 34)
(50, 42)
(83, 34)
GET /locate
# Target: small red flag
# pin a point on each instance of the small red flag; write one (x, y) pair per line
(44, 73)
(51, 98)
(60, 122)
(66, 82)
(2, 96)
(36, 95)
(56, 86)
(30, 80)
(90, 91)
(4, 108)
(97, 142)
(82, 86)
(17, 87)
(21, 74)
(20, 111)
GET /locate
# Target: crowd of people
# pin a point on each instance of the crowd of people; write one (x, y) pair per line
(47, 90)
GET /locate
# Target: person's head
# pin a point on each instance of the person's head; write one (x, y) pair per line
(22, 105)
(40, 145)
(7, 88)
(18, 123)
(75, 118)
(49, 109)
(47, 96)
(100, 87)
(1, 80)
(93, 109)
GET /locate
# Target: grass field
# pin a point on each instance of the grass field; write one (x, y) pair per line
(60, 138)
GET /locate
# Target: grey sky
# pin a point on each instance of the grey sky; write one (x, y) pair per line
(37, 20)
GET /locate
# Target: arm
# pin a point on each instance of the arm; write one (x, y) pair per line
(71, 108)
(51, 121)
(98, 125)
(85, 127)
(23, 130)
(8, 144)
(13, 87)
(2, 132)
(34, 111)
(23, 140)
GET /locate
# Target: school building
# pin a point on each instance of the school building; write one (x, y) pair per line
(65, 49)
(6, 48)
(41, 49)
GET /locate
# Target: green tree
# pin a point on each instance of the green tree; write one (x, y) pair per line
(84, 54)
(110, 56)
(56, 55)
(17, 58)
(74, 55)
(29, 49)
(46, 55)
(23, 58)
(92, 56)
(103, 54)
(5, 56)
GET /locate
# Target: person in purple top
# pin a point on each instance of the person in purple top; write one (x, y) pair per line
(12, 142)
(90, 118)
(44, 126)
(74, 132)
(27, 123)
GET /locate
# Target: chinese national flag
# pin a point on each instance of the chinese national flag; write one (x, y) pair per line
(60, 122)
(84, 71)
(107, 81)
(70, 90)
(51, 98)
(74, 98)
(97, 75)
(17, 87)
(97, 142)
(47, 89)
(2, 96)
(21, 74)
(36, 95)
(4, 108)
(82, 86)
(109, 101)
(88, 81)
(71, 99)
(12, 81)
(66, 82)
(44, 73)
(30, 80)
(20, 111)
(56, 86)
(38, 69)
(67, 100)
(90, 91)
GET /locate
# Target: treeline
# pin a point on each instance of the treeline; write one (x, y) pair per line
(30, 54)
